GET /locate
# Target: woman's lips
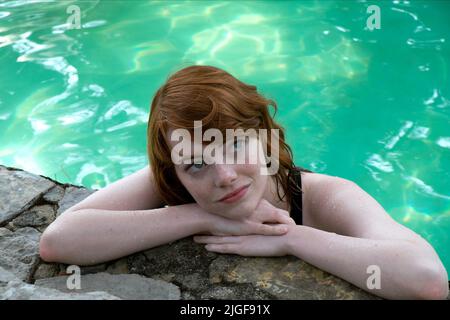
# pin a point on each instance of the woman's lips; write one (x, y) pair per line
(235, 195)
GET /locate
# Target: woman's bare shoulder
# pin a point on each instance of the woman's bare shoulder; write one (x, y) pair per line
(317, 182)
(316, 188)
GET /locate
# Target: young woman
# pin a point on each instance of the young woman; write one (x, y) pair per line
(238, 208)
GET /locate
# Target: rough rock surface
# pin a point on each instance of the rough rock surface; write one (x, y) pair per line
(12, 288)
(72, 196)
(17, 290)
(182, 269)
(19, 190)
(125, 286)
(207, 275)
(19, 251)
(38, 217)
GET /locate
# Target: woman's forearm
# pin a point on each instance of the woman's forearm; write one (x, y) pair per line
(406, 272)
(92, 236)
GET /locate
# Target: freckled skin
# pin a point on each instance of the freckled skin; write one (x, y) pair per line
(219, 180)
(214, 181)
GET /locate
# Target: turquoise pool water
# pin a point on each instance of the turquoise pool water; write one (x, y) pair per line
(370, 106)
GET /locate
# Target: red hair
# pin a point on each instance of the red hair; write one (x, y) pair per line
(220, 101)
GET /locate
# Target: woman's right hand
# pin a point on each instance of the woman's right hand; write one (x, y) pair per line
(266, 219)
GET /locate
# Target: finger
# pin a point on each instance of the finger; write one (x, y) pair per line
(219, 234)
(269, 230)
(269, 216)
(221, 248)
(216, 240)
(278, 216)
(283, 218)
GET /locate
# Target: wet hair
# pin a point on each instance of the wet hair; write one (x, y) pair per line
(220, 101)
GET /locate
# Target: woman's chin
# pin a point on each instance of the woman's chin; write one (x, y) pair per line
(240, 211)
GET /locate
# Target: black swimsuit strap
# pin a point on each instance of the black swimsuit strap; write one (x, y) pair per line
(296, 201)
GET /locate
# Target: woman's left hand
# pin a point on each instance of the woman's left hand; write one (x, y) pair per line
(250, 245)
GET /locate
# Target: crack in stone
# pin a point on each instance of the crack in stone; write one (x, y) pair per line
(36, 201)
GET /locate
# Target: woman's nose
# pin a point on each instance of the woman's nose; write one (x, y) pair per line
(224, 175)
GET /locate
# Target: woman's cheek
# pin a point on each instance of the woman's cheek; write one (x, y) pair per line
(196, 192)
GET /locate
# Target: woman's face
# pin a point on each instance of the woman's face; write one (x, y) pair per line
(229, 190)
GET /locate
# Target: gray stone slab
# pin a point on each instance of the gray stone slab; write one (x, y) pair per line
(54, 195)
(38, 217)
(6, 276)
(19, 251)
(124, 286)
(72, 196)
(18, 190)
(17, 290)
(284, 278)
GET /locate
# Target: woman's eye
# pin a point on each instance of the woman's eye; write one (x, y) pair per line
(239, 143)
(196, 166)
